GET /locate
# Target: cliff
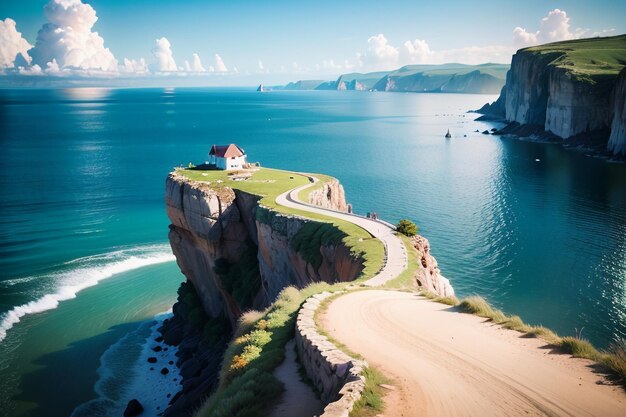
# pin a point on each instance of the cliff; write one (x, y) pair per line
(429, 276)
(566, 89)
(331, 195)
(239, 254)
(617, 140)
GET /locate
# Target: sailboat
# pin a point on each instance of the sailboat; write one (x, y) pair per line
(448, 135)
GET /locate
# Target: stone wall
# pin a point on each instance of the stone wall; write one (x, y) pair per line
(338, 377)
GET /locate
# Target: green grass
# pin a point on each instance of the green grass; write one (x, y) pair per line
(248, 387)
(596, 60)
(371, 402)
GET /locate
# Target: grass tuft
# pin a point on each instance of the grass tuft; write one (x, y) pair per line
(371, 402)
(579, 348)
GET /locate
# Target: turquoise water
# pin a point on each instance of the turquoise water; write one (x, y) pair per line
(539, 231)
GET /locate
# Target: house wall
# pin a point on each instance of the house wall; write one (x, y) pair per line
(235, 163)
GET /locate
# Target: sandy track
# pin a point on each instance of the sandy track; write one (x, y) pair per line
(447, 363)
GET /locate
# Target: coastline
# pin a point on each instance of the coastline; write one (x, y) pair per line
(125, 373)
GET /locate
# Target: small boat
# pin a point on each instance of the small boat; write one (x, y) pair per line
(448, 135)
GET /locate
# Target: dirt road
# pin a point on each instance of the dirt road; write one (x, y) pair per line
(447, 363)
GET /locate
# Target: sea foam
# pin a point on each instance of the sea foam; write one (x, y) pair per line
(82, 273)
(125, 373)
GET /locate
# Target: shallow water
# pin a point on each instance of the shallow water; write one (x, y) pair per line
(539, 231)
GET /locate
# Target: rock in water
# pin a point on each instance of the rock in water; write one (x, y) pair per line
(134, 408)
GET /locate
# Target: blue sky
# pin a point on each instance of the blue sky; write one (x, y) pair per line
(294, 39)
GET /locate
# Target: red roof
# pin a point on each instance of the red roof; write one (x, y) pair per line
(226, 151)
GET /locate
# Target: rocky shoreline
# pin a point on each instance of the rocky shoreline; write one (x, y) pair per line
(200, 343)
(591, 144)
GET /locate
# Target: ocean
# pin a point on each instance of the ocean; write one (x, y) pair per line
(86, 267)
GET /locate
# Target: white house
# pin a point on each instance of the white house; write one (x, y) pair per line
(227, 157)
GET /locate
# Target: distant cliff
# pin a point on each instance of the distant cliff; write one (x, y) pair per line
(444, 78)
(570, 90)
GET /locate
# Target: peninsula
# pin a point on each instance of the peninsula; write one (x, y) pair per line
(263, 250)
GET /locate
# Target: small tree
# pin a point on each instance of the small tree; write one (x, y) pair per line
(406, 227)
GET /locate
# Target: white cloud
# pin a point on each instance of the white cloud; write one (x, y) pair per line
(219, 64)
(197, 64)
(11, 44)
(380, 53)
(163, 53)
(134, 66)
(417, 51)
(67, 39)
(553, 28)
(52, 67)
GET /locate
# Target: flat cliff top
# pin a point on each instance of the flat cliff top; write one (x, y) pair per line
(593, 57)
(264, 182)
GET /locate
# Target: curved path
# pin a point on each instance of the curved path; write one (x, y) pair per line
(447, 363)
(395, 251)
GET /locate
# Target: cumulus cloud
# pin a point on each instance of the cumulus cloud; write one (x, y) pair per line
(12, 44)
(219, 64)
(134, 66)
(416, 51)
(197, 64)
(554, 27)
(68, 41)
(379, 52)
(163, 53)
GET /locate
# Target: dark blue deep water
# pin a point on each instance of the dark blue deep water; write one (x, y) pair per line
(537, 230)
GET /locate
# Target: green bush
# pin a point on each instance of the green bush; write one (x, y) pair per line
(406, 227)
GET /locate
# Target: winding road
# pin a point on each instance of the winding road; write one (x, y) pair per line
(395, 251)
(446, 363)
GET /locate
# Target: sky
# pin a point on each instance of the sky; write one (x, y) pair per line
(241, 42)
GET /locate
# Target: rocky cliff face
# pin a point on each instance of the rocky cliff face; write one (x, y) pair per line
(429, 276)
(331, 195)
(240, 255)
(617, 140)
(575, 107)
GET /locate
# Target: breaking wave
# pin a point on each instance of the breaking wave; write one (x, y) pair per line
(83, 273)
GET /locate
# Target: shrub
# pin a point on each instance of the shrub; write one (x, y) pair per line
(407, 228)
